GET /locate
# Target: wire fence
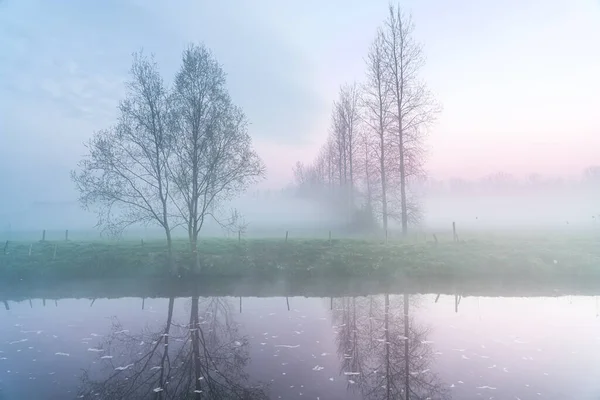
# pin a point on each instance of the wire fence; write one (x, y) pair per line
(49, 241)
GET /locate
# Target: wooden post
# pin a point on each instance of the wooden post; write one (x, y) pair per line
(330, 238)
(30, 304)
(435, 238)
(454, 231)
(5, 247)
(30, 246)
(43, 235)
(240, 304)
(142, 242)
(287, 300)
(386, 236)
(286, 236)
(44, 302)
(6, 305)
(66, 235)
(240, 236)
(54, 255)
(437, 298)
(55, 303)
(93, 301)
(455, 303)
(143, 302)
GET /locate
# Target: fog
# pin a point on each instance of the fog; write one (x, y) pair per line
(566, 206)
(536, 116)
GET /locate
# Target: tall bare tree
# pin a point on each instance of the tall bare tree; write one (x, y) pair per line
(414, 107)
(376, 104)
(347, 109)
(125, 176)
(214, 158)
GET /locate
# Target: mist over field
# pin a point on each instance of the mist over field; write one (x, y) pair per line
(559, 206)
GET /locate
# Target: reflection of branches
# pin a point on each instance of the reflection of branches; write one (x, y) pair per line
(353, 332)
(204, 358)
(385, 349)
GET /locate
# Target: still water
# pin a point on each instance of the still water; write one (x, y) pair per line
(371, 347)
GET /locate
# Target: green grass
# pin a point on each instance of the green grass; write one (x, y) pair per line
(532, 257)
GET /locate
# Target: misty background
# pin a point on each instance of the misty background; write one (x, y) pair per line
(515, 146)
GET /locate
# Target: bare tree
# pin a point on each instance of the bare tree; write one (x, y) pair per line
(125, 176)
(376, 104)
(214, 158)
(414, 107)
(377, 139)
(347, 109)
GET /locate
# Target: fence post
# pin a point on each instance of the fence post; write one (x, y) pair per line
(66, 235)
(43, 235)
(142, 242)
(386, 236)
(239, 236)
(454, 231)
(330, 238)
(5, 247)
(286, 236)
(30, 246)
(54, 256)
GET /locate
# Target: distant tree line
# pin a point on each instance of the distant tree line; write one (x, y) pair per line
(374, 153)
(502, 182)
(176, 154)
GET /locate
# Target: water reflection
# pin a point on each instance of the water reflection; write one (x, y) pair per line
(386, 346)
(204, 357)
(383, 351)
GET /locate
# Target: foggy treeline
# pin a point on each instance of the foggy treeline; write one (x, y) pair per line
(370, 173)
(374, 154)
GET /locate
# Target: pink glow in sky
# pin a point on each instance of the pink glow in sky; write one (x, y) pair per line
(519, 80)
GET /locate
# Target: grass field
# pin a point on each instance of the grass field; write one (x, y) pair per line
(526, 256)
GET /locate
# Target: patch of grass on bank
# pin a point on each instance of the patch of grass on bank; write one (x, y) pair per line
(573, 256)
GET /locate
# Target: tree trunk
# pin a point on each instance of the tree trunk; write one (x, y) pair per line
(406, 355)
(403, 188)
(383, 184)
(196, 348)
(388, 371)
(172, 266)
(195, 254)
(161, 379)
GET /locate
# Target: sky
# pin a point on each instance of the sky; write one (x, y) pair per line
(519, 80)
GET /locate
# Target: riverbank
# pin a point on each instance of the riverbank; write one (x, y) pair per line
(291, 287)
(523, 257)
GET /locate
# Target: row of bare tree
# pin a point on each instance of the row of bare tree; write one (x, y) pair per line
(375, 148)
(175, 155)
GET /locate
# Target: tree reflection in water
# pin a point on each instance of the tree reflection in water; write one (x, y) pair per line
(204, 358)
(384, 352)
